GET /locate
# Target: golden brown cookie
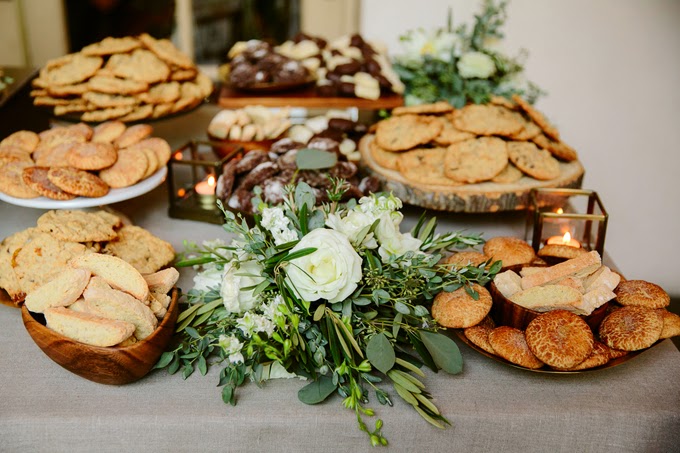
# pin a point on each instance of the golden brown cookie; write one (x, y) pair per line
(434, 108)
(560, 251)
(559, 338)
(537, 117)
(479, 336)
(114, 85)
(558, 149)
(103, 100)
(512, 251)
(162, 109)
(535, 162)
(9, 153)
(159, 146)
(12, 181)
(140, 112)
(459, 310)
(83, 129)
(132, 135)
(77, 182)
(671, 324)
(111, 45)
(26, 140)
(183, 75)
(99, 115)
(508, 175)
(641, 293)
(631, 328)
(529, 131)
(166, 51)
(146, 252)
(504, 102)
(598, 357)
(488, 119)
(76, 69)
(476, 160)
(467, 258)
(50, 101)
(56, 156)
(616, 353)
(403, 132)
(424, 166)
(67, 90)
(382, 157)
(161, 93)
(79, 226)
(205, 85)
(76, 106)
(108, 132)
(141, 65)
(36, 179)
(8, 278)
(152, 161)
(92, 156)
(128, 169)
(509, 343)
(450, 134)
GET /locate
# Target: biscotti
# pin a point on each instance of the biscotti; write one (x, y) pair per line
(88, 328)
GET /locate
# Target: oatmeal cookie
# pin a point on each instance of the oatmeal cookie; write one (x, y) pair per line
(559, 149)
(450, 134)
(508, 175)
(76, 69)
(535, 162)
(403, 132)
(140, 112)
(437, 107)
(166, 51)
(146, 252)
(537, 117)
(79, 226)
(161, 93)
(475, 160)
(141, 65)
(424, 166)
(96, 116)
(111, 45)
(114, 85)
(488, 119)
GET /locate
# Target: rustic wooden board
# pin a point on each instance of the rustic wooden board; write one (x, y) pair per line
(481, 197)
(307, 97)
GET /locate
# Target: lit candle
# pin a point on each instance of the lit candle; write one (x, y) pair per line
(206, 192)
(564, 240)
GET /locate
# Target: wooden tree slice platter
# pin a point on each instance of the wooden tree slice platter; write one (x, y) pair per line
(480, 197)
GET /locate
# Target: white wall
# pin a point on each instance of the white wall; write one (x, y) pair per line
(612, 70)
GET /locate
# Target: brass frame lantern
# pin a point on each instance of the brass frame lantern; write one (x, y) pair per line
(578, 212)
(190, 166)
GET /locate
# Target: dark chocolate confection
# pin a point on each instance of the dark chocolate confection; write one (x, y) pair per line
(284, 145)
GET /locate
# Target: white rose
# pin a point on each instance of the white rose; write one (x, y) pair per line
(351, 225)
(209, 277)
(392, 241)
(476, 64)
(235, 300)
(332, 272)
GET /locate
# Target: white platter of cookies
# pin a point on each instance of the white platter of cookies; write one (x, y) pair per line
(480, 158)
(78, 166)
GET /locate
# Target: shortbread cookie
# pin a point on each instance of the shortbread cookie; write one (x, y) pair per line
(537, 117)
(382, 157)
(78, 68)
(61, 291)
(128, 169)
(92, 156)
(631, 328)
(424, 166)
(9, 153)
(132, 135)
(108, 132)
(8, 279)
(117, 273)
(435, 108)
(671, 324)
(87, 328)
(510, 344)
(79, 226)
(146, 252)
(641, 293)
(158, 146)
(476, 160)
(479, 336)
(111, 45)
(161, 93)
(166, 51)
(118, 305)
(558, 149)
(141, 65)
(559, 338)
(77, 182)
(162, 281)
(535, 162)
(512, 251)
(36, 178)
(450, 134)
(459, 310)
(12, 181)
(26, 140)
(140, 112)
(508, 175)
(114, 85)
(488, 119)
(403, 132)
(106, 114)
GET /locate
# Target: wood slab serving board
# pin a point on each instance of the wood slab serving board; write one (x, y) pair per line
(481, 197)
(307, 97)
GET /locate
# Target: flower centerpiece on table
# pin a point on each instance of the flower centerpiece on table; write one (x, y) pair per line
(462, 65)
(336, 294)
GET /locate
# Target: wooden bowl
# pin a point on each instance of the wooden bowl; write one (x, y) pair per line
(113, 365)
(507, 313)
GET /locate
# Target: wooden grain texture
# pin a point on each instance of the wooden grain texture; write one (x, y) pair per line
(113, 365)
(233, 99)
(480, 197)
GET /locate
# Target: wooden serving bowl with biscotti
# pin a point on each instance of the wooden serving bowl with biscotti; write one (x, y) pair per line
(115, 365)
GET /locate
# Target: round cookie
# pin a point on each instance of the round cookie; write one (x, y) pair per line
(537, 117)
(67, 90)
(403, 132)
(141, 65)
(424, 166)
(12, 181)
(488, 119)
(36, 179)
(599, 357)
(535, 162)
(76, 69)
(528, 131)
(512, 251)
(108, 132)
(92, 156)
(508, 175)
(560, 251)
(510, 344)
(103, 100)
(560, 338)
(558, 149)
(479, 336)
(79, 226)
(57, 156)
(83, 129)
(434, 108)
(140, 112)
(26, 140)
(10, 153)
(459, 310)
(96, 116)
(114, 85)
(152, 161)
(132, 135)
(631, 328)
(476, 160)
(159, 146)
(111, 45)
(450, 134)
(161, 93)
(671, 324)
(382, 157)
(166, 51)
(141, 249)
(616, 353)
(642, 294)
(128, 169)
(77, 182)
(468, 258)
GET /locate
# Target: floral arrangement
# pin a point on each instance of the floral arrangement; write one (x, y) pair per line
(335, 293)
(462, 65)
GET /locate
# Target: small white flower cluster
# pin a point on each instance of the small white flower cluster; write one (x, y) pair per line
(232, 346)
(276, 222)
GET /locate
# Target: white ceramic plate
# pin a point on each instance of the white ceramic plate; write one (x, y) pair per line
(114, 195)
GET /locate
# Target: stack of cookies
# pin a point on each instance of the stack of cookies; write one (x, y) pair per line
(66, 162)
(500, 142)
(129, 79)
(35, 256)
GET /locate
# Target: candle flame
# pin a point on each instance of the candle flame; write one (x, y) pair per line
(181, 192)
(566, 238)
(560, 211)
(211, 180)
(178, 155)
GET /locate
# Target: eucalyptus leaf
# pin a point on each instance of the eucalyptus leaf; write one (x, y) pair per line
(317, 391)
(444, 351)
(380, 353)
(304, 195)
(315, 159)
(402, 308)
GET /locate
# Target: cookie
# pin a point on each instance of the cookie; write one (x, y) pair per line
(111, 45)
(97, 116)
(102, 100)
(558, 149)
(434, 108)
(12, 181)
(79, 226)
(54, 157)
(108, 132)
(559, 338)
(671, 324)
(56, 136)
(114, 85)
(75, 106)
(475, 160)
(205, 85)
(535, 162)
(560, 251)
(9, 153)
(117, 273)
(529, 131)
(161, 282)
(146, 252)
(152, 161)
(537, 117)
(382, 157)
(87, 328)
(8, 278)
(159, 146)
(140, 112)
(450, 134)
(631, 328)
(183, 75)
(128, 169)
(504, 102)
(508, 175)
(468, 258)
(132, 135)
(26, 140)
(162, 109)
(76, 69)
(642, 294)
(510, 250)
(403, 132)
(91, 156)
(36, 179)
(61, 291)
(83, 129)
(599, 356)
(479, 336)
(77, 89)
(166, 51)
(424, 166)
(488, 119)
(141, 65)
(161, 93)
(458, 309)
(114, 304)
(510, 344)
(77, 182)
